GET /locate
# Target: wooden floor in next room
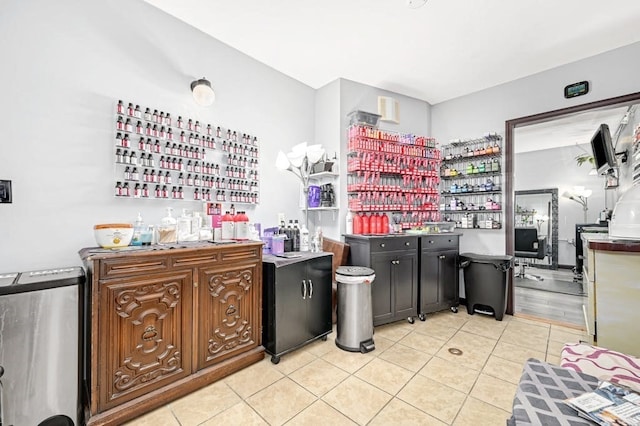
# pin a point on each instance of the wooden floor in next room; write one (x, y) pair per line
(557, 297)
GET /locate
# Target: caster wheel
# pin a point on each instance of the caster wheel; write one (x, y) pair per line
(275, 359)
(324, 338)
(422, 317)
(411, 320)
(454, 309)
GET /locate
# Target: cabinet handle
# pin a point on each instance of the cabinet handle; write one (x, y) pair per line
(431, 241)
(442, 256)
(382, 245)
(407, 244)
(149, 333)
(195, 283)
(395, 262)
(304, 289)
(310, 289)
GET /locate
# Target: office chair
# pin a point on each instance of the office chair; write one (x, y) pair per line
(530, 246)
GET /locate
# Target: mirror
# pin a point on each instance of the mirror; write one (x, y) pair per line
(538, 208)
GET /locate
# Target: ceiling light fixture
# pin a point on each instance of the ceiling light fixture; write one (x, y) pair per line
(203, 92)
(415, 4)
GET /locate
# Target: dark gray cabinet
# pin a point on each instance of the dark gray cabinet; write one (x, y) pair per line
(296, 301)
(439, 276)
(394, 292)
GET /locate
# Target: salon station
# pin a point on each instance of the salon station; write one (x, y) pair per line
(286, 214)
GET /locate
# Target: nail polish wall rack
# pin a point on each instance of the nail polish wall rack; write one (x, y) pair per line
(171, 149)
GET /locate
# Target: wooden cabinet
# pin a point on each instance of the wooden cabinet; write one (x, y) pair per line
(439, 276)
(394, 292)
(297, 301)
(162, 323)
(611, 271)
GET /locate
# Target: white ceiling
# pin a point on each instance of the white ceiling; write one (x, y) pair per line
(445, 49)
(574, 129)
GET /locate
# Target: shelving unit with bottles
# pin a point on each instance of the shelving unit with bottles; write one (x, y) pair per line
(160, 157)
(331, 200)
(471, 186)
(394, 173)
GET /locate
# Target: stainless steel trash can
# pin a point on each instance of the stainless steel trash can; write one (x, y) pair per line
(40, 349)
(355, 313)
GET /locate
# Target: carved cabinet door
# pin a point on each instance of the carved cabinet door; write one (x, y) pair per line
(145, 335)
(228, 311)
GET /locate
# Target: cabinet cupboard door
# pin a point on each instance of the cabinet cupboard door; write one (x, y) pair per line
(405, 274)
(144, 334)
(438, 280)
(429, 282)
(382, 288)
(291, 306)
(319, 297)
(228, 312)
(449, 277)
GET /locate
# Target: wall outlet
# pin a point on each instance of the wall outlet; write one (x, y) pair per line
(280, 218)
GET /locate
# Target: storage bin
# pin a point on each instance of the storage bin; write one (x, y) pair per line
(364, 118)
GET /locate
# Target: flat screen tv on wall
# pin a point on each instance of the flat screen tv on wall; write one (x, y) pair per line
(603, 151)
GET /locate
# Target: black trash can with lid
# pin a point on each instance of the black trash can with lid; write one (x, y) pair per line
(355, 312)
(485, 282)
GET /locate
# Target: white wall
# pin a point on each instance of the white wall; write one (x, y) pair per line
(328, 131)
(65, 64)
(610, 74)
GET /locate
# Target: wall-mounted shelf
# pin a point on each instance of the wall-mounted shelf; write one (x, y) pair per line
(471, 177)
(394, 173)
(323, 175)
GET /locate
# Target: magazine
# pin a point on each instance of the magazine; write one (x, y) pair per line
(609, 404)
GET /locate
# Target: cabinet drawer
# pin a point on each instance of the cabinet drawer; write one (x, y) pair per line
(127, 266)
(440, 242)
(212, 255)
(393, 244)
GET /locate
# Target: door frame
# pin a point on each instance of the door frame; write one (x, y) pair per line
(510, 125)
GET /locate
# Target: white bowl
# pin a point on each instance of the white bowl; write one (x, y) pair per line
(113, 235)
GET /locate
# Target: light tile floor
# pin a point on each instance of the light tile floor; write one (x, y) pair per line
(411, 378)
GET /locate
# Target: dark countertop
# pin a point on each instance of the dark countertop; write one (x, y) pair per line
(426, 234)
(300, 257)
(600, 241)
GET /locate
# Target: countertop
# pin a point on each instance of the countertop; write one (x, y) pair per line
(425, 234)
(99, 252)
(299, 256)
(602, 241)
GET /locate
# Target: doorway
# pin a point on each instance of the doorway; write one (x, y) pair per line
(555, 304)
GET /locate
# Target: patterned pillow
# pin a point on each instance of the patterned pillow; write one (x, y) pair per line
(541, 392)
(605, 364)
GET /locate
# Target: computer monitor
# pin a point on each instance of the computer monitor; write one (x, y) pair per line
(603, 151)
